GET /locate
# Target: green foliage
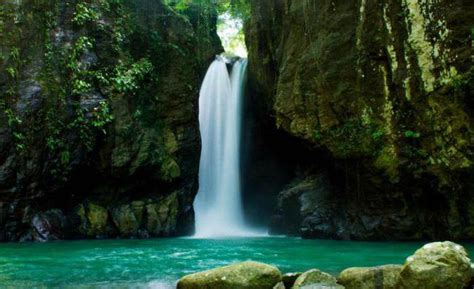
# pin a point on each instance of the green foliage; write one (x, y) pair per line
(100, 56)
(85, 14)
(317, 134)
(237, 8)
(80, 86)
(128, 77)
(65, 157)
(14, 123)
(411, 134)
(11, 71)
(12, 119)
(459, 82)
(102, 116)
(378, 134)
(179, 5)
(354, 137)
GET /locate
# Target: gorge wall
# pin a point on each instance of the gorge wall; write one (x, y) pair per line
(98, 122)
(374, 100)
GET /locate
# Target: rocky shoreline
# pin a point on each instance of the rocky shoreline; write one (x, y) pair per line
(439, 265)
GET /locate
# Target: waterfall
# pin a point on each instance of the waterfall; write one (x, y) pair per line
(218, 205)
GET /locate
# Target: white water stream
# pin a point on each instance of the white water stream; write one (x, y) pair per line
(218, 205)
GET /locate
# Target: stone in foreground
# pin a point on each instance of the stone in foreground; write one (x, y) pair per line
(381, 277)
(315, 279)
(246, 275)
(280, 285)
(440, 265)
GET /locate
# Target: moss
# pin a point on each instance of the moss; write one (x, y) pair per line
(249, 275)
(171, 144)
(387, 160)
(170, 169)
(417, 40)
(97, 217)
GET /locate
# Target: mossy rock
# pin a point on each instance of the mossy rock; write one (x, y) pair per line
(382, 277)
(316, 279)
(279, 285)
(93, 220)
(440, 265)
(125, 220)
(246, 275)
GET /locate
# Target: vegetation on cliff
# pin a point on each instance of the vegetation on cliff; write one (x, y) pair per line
(95, 96)
(380, 93)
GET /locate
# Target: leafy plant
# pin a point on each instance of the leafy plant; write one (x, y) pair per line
(12, 119)
(13, 122)
(102, 116)
(378, 134)
(127, 77)
(84, 14)
(411, 134)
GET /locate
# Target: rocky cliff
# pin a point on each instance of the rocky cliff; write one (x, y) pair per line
(380, 94)
(98, 121)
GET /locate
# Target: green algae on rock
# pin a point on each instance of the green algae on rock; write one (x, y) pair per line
(246, 275)
(435, 266)
(381, 277)
(379, 94)
(102, 96)
(315, 279)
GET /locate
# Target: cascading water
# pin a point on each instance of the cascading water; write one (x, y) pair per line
(218, 205)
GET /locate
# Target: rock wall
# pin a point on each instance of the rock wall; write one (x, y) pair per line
(381, 93)
(98, 121)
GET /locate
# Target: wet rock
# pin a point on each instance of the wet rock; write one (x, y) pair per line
(30, 97)
(88, 59)
(102, 142)
(138, 208)
(125, 220)
(162, 216)
(48, 226)
(381, 112)
(143, 234)
(306, 207)
(93, 220)
(382, 277)
(246, 275)
(280, 285)
(153, 223)
(91, 102)
(440, 265)
(316, 279)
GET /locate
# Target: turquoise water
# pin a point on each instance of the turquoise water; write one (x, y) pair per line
(159, 263)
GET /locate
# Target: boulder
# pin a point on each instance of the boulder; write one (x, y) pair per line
(280, 285)
(49, 225)
(440, 265)
(316, 279)
(246, 275)
(382, 277)
(322, 286)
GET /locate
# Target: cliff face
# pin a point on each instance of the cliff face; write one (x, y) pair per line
(382, 90)
(98, 121)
